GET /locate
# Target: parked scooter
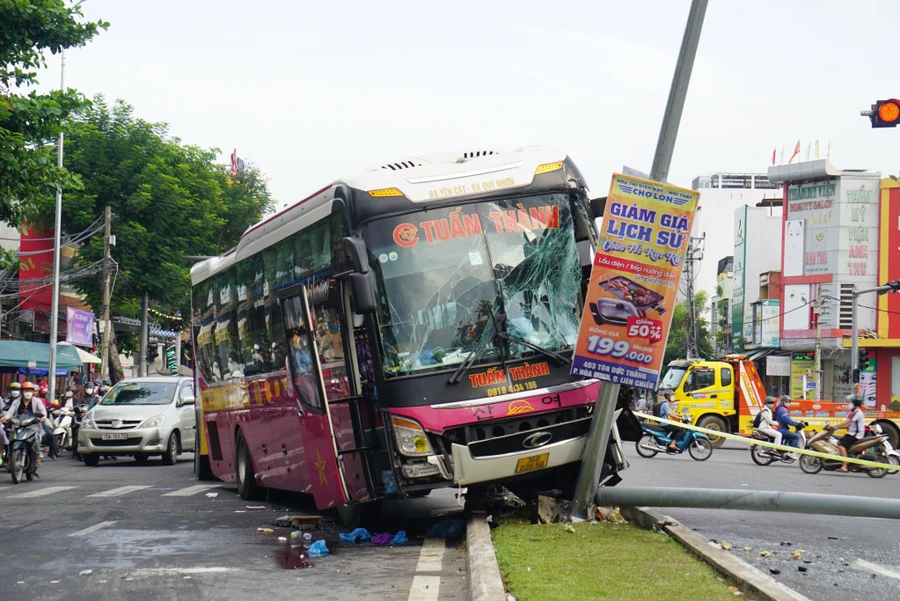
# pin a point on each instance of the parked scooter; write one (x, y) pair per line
(656, 440)
(62, 429)
(764, 455)
(22, 454)
(870, 448)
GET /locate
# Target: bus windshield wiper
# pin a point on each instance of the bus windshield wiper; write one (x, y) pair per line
(474, 355)
(553, 355)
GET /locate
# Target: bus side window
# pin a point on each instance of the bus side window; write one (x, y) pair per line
(329, 335)
(300, 352)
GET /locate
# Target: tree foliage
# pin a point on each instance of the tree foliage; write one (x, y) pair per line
(31, 122)
(167, 199)
(677, 343)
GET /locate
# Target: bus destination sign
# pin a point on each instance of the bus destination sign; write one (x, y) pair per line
(634, 281)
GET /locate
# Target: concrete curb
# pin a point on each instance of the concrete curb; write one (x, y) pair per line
(485, 583)
(754, 583)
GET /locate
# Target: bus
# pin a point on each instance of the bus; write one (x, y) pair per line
(401, 330)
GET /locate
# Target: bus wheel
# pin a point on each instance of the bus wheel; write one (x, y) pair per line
(353, 514)
(244, 474)
(714, 422)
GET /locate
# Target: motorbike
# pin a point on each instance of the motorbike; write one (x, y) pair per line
(62, 428)
(656, 440)
(78, 415)
(764, 455)
(870, 448)
(893, 457)
(22, 443)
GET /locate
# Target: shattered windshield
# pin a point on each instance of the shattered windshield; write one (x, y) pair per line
(443, 275)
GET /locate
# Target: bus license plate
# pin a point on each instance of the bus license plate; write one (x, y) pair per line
(115, 436)
(535, 462)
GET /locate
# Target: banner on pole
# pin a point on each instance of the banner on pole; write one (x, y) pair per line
(634, 281)
(79, 327)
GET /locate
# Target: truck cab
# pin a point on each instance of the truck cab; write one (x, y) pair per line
(705, 391)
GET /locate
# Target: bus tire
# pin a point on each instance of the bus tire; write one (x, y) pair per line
(202, 467)
(714, 422)
(354, 515)
(245, 477)
(892, 432)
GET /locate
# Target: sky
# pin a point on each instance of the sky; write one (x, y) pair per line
(312, 92)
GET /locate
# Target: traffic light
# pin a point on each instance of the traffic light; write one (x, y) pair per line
(863, 359)
(884, 113)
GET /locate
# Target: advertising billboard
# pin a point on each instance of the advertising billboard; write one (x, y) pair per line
(79, 327)
(634, 281)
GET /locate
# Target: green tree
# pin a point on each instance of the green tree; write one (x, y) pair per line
(167, 200)
(675, 348)
(30, 122)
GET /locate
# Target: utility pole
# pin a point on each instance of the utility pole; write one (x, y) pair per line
(818, 356)
(145, 335)
(605, 407)
(692, 327)
(105, 370)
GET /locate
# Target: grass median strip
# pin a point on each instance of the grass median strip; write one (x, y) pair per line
(600, 561)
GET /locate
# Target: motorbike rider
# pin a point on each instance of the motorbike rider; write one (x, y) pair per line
(69, 401)
(14, 389)
(90, 397)
(767, 423)
(28, 404)
(666, 412)
(856, 427)
(104, 387)
(782, 416)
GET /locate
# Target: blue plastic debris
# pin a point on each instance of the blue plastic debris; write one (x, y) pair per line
(360, 535)
(318, 549)
(448, 528)
(390, 485)
(400, 538)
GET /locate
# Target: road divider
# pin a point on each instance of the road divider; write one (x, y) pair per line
(753, 441)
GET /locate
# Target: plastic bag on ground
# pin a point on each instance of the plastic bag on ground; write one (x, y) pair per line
(400, 538)
(448, 528)
(360, 535)
(318, 549)
(382, 539)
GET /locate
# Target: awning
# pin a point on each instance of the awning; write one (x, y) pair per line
(761, 353)
(19, 353)
(85, 356)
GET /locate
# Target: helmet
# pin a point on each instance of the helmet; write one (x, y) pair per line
(14, 386)
(786, 400)
(44, 387)
(856, 399)
(28, 386)
(70, 388)
(106, 383)
(770, 400)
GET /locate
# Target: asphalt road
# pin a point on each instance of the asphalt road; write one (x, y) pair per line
(849, 558)
(123, 531)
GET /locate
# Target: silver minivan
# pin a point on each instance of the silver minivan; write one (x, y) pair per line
(141, 417)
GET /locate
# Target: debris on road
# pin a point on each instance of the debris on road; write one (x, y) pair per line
(282, 539)
(256, 507)
(570, 528)
(212, 495)
(447, 528)
(318, 549)
(265, 530)
(360, 535)
(774, 571)
(305, 522)
(85, 572)
(765, 553)
(725, 545)
(748, 548)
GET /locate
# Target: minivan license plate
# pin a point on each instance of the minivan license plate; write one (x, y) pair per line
(535, 462)
(115, 436)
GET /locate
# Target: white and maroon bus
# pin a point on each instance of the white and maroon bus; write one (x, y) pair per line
(401, 330)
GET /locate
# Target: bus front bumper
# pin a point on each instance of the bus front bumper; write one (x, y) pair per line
(472, 470)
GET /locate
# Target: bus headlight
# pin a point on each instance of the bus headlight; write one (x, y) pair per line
(411, 438)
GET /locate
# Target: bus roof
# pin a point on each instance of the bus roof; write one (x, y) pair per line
(420, 179)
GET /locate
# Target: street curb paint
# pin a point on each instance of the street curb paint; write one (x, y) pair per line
(485, 583)
(753, 583)
(752, 441)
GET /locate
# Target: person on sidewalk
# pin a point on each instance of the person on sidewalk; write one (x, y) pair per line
(856, 427)
(767, 423)
(783, 417)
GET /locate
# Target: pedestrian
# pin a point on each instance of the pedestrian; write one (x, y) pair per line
(641, 405)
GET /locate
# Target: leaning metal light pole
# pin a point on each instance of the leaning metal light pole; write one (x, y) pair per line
(54, 302)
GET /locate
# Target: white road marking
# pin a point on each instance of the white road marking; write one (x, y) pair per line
(94, 528)
(424, 588)
(431, 555)
(191, 490)
(862, 564)
(41, 492)
(118, 492)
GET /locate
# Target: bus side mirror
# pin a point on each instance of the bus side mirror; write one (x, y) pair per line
(598, 206)
(355, 251)
(362, 293)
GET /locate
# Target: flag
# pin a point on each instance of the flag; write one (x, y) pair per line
(782, 155)
(828, 152)
(796, 152)
(808, 150)
(773, 155)
(234, 160)
(817, 149)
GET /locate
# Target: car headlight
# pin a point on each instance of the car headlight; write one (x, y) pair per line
(411, 438)
(88, 422)
(153, 422)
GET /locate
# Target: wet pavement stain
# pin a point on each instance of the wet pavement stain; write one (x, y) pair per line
(293, 558)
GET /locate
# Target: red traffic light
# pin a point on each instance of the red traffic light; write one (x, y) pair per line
(885, 113)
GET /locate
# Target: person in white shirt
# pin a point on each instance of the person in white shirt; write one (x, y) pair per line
(856, 427)
(767, 423)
